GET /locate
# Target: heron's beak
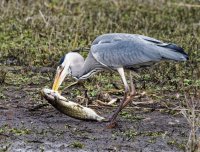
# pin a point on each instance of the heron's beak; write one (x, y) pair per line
(56, 80)
(60, 76)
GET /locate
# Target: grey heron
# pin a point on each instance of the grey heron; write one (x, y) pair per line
(117, 52)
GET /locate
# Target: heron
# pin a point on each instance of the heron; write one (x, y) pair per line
(118, 52)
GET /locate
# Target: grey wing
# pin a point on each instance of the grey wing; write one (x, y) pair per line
(111, 37)
(123, 54)
(127, 50)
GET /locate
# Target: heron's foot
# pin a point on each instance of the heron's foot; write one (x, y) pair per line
(112, 124)
(125, 103)
(132, 94)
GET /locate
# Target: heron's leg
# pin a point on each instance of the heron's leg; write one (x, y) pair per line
(132, 93)
(114, 116)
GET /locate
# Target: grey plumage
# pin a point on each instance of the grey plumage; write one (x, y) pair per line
(89, 67)
(118, 51)
(129, 51)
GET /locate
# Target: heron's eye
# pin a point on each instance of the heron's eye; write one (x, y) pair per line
(61, 67)
(62, 60)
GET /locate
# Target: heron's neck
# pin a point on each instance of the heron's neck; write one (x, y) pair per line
(77, 71)
(86, 68)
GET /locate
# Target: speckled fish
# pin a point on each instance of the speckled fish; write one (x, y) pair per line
(70, 108)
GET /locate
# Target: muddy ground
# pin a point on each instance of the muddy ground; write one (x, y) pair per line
(25, 126)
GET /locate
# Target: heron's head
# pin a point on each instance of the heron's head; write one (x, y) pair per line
(65, 68)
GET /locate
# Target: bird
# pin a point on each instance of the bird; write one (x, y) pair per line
(118, 52)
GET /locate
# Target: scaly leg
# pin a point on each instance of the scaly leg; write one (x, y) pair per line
(132, 93)
(126, 100)
(114, 116)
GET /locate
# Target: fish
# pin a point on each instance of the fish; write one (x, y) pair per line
(70, 108)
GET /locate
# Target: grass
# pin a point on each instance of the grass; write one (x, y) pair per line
(77, 144)
(38, 33)
(16, 131)
(193, 117)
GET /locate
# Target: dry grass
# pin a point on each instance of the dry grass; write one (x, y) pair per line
(193, 118)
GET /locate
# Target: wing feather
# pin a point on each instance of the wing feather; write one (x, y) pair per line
(127, 50)
(124, 53)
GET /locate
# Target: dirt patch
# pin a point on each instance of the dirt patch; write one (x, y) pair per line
(22, 128)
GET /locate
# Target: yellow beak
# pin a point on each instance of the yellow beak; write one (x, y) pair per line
(55, 84)
(57, 80)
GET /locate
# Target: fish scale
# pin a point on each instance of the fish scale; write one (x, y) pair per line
(70, 108)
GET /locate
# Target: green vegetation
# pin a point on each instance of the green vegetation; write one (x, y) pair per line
(77, 144)
(38, 33)
(16, 131)
(175, 143)
(2, 96)
(130, 116)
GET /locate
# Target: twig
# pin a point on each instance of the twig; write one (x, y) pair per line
(114, 91)
(193, 117)
(4, 108)
(103, 103)
(185, 5)
(35, 141)
(69, 86)
(4, 135)
(43, 18)
(80, 49)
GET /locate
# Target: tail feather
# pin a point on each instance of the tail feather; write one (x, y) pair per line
(174, 52)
